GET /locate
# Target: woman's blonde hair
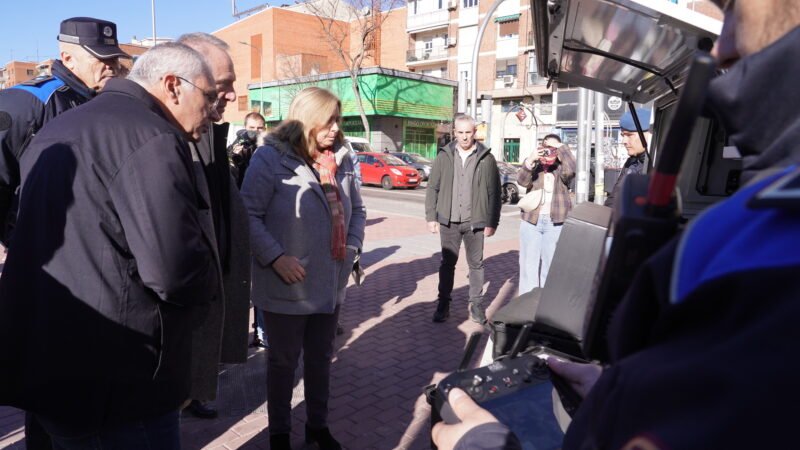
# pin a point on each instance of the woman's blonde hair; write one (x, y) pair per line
(310, 109)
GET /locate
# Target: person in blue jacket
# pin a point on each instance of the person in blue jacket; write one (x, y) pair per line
(704, 344)
(90, 54)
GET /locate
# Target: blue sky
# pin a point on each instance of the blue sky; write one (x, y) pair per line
(31, 24)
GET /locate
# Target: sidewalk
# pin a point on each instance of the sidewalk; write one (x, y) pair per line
(390, 350)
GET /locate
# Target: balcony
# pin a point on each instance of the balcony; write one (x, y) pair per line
(426, 55)
(427, 21)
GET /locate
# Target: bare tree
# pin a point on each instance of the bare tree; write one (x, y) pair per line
(352, 29)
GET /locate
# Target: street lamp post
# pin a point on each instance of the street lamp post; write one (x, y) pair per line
(261, 76)
(153, 11)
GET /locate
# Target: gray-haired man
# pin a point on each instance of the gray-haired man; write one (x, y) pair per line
(462, 203)
(221, 337)
(110, 260)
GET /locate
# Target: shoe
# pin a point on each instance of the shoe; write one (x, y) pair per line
(339, 329)
(258, 343)
(322, 438)
(280, 442)
(442, 311)
(476, 314)
(201, 410)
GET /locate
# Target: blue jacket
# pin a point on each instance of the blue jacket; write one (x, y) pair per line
(24, 110)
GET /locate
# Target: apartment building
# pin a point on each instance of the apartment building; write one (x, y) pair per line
(441, 36)
(16, 72)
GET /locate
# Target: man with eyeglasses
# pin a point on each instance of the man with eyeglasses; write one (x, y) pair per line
(222, 336)
(704, 344)
(111, 263)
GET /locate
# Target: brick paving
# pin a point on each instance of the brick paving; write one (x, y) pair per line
(390, 350)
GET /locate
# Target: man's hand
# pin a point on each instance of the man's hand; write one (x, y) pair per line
(471, 415)
(237, 148)
(289, 269)
(489, 231)
(581, 377)
(433, 227)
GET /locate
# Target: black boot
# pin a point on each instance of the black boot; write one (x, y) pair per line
(280, 442)
(442, 311)
(322, 438)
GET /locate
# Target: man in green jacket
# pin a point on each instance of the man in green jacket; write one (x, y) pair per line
(463, 203)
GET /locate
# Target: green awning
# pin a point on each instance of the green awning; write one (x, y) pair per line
(508, 18)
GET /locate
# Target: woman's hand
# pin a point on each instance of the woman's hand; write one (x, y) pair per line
(289, 269)
(581, 377)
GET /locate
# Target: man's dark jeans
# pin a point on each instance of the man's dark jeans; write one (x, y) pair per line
(451, 237)
(157, 433)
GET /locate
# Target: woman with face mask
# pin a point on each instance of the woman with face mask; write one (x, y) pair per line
(551, 169)
(307, 225)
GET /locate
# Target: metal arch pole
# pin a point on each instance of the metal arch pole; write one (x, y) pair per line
(473, 82)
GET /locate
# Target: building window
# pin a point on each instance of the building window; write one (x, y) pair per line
(508, 30)
(29, 72)
(506, 67)
(440, 4)
(470, 3)
(242, 102)
(266, 112)
(546, 105)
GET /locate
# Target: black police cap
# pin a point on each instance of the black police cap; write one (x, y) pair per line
(98, 37)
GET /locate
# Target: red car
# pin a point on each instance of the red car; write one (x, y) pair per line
(387, 170)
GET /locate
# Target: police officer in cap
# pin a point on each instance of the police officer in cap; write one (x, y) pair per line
(90, 55)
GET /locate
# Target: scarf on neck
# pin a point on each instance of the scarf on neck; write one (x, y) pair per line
(325, 165)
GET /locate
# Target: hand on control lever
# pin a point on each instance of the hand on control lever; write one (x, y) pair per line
(471, 415)
(581, 377)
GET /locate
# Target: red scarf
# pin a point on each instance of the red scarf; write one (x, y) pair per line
(325, 165)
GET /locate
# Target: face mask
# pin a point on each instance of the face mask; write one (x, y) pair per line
(252, 134)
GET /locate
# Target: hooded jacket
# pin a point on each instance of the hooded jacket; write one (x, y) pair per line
(289, 214)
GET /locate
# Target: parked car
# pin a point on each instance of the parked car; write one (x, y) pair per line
(387, 171)
(508, 180)
(359, 144)
(417, 161)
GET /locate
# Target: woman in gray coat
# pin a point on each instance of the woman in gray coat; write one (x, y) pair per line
(306, 225)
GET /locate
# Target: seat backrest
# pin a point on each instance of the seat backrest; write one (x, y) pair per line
(567, 291)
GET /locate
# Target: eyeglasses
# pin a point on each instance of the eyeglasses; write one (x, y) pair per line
(212, 98)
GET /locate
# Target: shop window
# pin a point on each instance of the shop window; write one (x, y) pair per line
(509, 105)
(511, 150)
(546, 105)
(420, 140)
